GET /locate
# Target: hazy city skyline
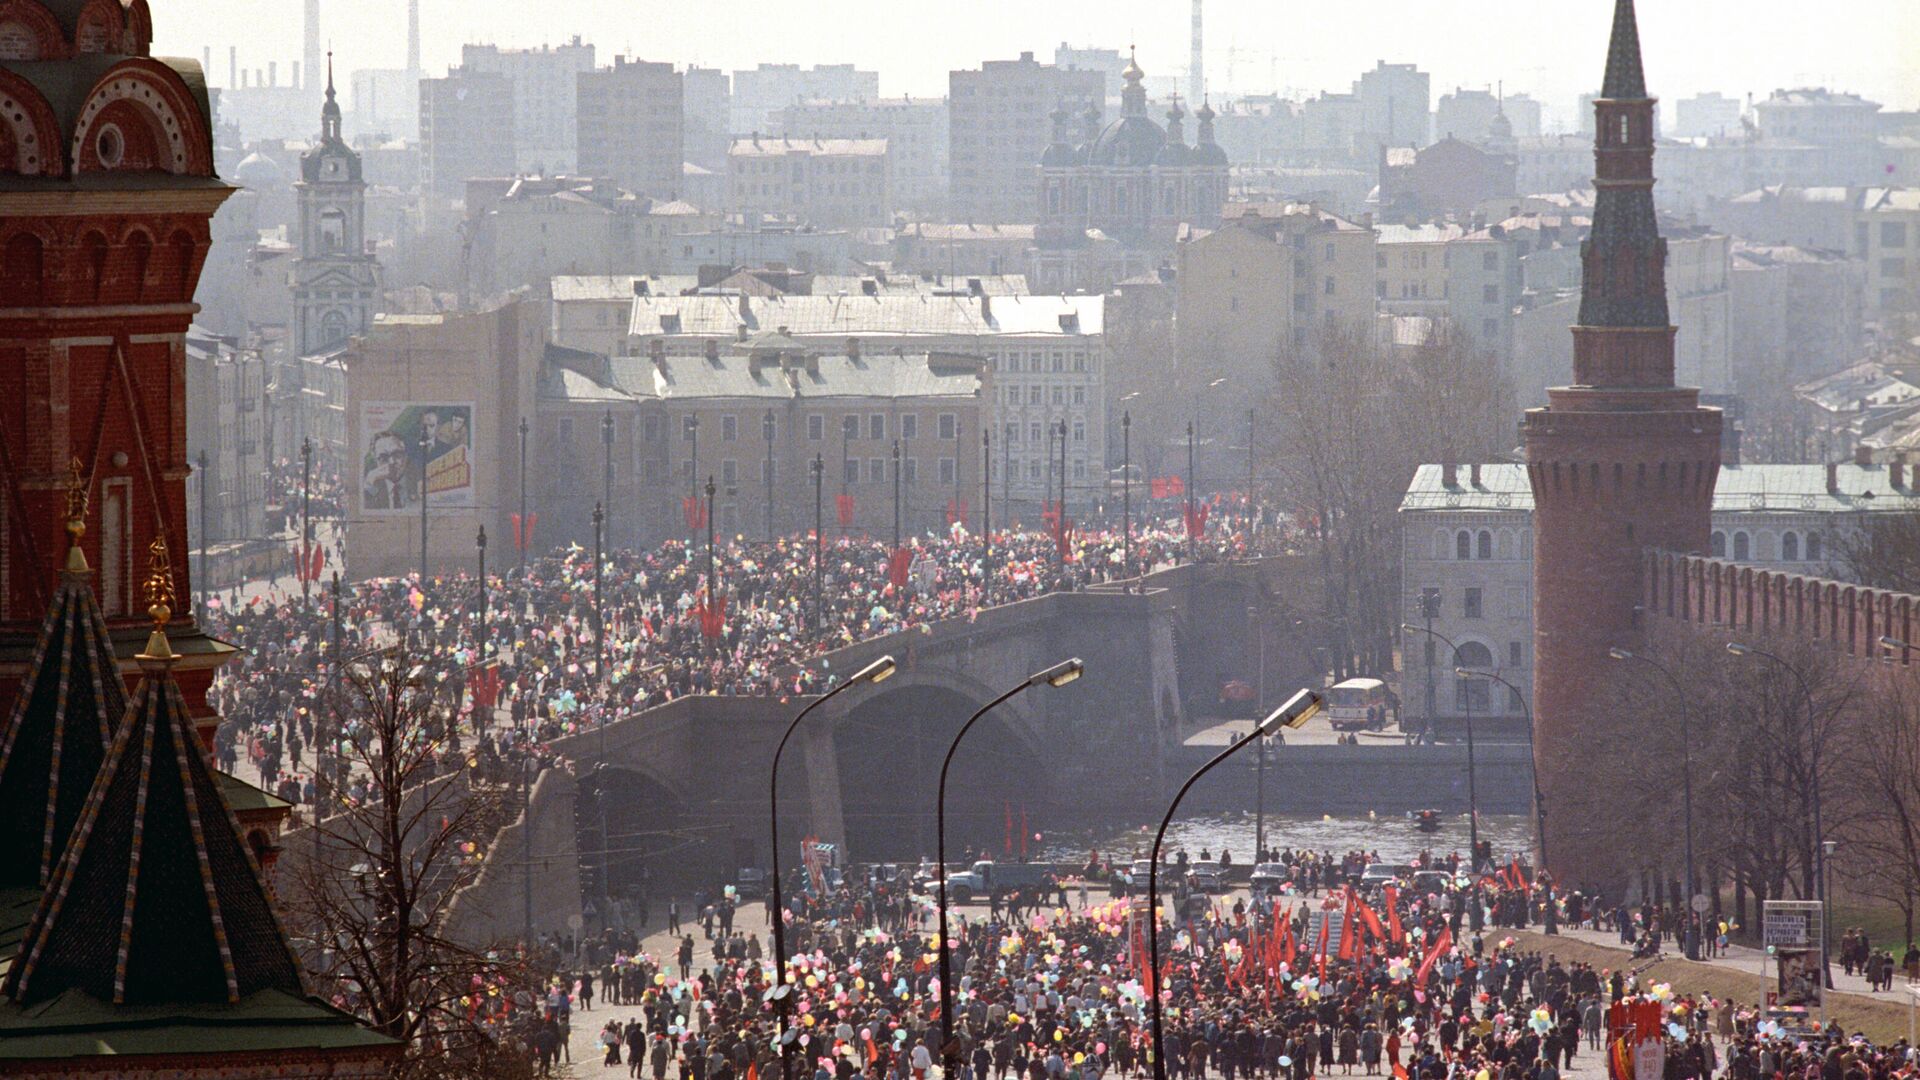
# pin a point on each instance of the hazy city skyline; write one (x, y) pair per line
(1250, 48)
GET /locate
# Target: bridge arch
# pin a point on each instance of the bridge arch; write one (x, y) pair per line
(888, 748)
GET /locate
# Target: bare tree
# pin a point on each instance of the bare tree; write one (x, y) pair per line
(1882, 552)
(1880, 853)
(408, 832)
(1353, 419)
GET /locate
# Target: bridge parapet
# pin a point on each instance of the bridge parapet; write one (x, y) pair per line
(1714, 592)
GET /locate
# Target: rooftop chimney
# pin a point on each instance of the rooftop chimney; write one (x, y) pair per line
(713, 350)
(986, 308)
(1862, 455)
(1449, 475)
(1833, 478)
(1474, 474)
(1897, 474)
(853, 348)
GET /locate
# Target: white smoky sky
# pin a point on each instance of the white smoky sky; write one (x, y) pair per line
(1552, 49)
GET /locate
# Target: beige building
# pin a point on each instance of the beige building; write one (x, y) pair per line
(916, 135)
(629, 118)
(836, 183)
(434, 401)
(539, 228)
(466, 130)
(998, 130)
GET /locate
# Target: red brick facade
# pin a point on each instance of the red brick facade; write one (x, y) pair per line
(1620, 461)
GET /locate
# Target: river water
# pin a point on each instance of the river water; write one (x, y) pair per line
(1394, 838)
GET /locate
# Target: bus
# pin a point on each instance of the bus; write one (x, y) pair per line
(1357, 705)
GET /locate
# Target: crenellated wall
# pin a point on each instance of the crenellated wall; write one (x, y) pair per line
(1711, 592)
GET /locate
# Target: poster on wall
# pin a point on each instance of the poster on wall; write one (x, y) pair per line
(404, 443)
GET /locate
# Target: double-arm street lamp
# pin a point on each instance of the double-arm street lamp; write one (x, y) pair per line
(878, 671)
(1692, 942)
(1056, 676)
(1297, 711)
(1473, 790)
(1539, 801)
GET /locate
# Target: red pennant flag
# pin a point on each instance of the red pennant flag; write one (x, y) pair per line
(843, 506)
(519, 542)
(898, 564)
(957, 512)
(1435, 949)
(695, 512)
(1349, 937)
(1158, 487)
(1393, 915)
(319, 563)
(533, 520)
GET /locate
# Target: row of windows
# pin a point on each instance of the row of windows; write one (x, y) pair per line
(946, 426)
(853, 469)
(1034, 468)
(1037, 395)
(1016, 361)
(1791, 548)
(1036, 431)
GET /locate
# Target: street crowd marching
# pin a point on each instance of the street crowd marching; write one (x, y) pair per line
(537, 658)
(1386, 980)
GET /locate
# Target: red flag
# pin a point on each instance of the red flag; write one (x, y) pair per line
(1158, 487)
(1063, 536)
(1007, 847)
(898, 564)
(1435, 949)
(1393, 914)
(1350, 928)
(694, 511)
(1372, 920)
(957, 512)
(1519, 878)
(1176, 486)
(843, 506)
(519, 542)
(319, 563)
(533, 519)
(1196, 516)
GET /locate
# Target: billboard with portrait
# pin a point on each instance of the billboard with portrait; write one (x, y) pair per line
(407, 446)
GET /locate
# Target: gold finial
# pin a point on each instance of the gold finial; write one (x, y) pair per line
(76, 517)
(159, 589)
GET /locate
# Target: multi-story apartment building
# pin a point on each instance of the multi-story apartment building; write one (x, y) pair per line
(1467, 540)
(1842, 125)
(1396, 102)
(540, 228)
(760, 93)
(998, 129)
(810, 181)
(630, 126)
(1465, 114)
(1047, 354)
(1706, 116)
(545, 98)
(225, 439)
(1879, 225)
(466, 130)
(705, 104)
(915, 133)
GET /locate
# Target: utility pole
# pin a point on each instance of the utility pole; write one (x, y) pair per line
(525, 538)
(896, 494)
(599, 612)
(846, 435)
(693, 461)
(766, 426)
(306, 521)
(480, 553)
(1192, 540)
(1249, 539)
(606, 479)
(986, 512)
(601, 772)
(711, 489)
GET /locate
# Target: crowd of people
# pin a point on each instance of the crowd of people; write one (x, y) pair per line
(1325, 979)
(678, 620)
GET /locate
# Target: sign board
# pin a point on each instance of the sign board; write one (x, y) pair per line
(1789, 927)
(405, 445)
(1701, 903)
(1792, 933)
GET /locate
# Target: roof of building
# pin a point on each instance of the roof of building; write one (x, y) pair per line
(939, 230)
(1815, 95)
(738, 373)
(858, 315)
(1624, 80)
(574, 287)
(1865, 382)
(1419, 234)
(773, 145)
(1758, 256)
(1739, 488)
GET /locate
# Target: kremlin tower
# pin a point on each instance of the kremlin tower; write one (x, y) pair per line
(1619, 461)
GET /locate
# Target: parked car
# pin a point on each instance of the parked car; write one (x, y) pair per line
(1206, 878)
(1268, 877)
(1384, 873)
(1431, 881)
(988, 878)
(750, 883)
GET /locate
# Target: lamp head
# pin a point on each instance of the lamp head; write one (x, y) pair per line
(1299, 709)
(1467, 673)
(1888, 641)
(1738, 649)
(1409, 628)
(879, 671)
(1059, 674)
(1619, 653)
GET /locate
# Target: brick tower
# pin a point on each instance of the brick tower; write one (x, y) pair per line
(1619, 461)
(106, 190)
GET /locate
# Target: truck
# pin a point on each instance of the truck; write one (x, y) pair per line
(988, 878)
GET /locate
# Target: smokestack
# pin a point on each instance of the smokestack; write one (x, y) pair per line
(1196, 64)
(312, 51)
(413, 39)
(233, 66)
(273, 73)
(295, 81)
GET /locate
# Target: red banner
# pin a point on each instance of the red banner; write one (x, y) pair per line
(713, 616)
(898, 564)
(957, 512)
(843, 506)
(1435, 949)
(523, 531)
(1196, 516)
(694, 511)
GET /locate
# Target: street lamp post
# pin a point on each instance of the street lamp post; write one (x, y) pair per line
(206, 533)
(766, 428)
(1692, 941)
(1819, 833)
(1297, 711)
(819, 541)
(1056, 676)
(1539, 801)
(600, 674)
(606, 474)
(480, 554)
(1192, 541)
(526, 527)
(986, 513)
(1473, 792)
(426, 447)
(1250, 424)
(878, 671)
(1126, 495)
(306, 519)
(711, 490)
(896, 494)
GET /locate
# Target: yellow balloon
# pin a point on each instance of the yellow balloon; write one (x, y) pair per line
(812, 982)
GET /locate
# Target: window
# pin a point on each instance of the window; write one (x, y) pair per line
(910, 426)
(1717, 545)
(688, 425)
(1380, 260)
(1079, 361)
(877, 426)
(729, 428)
(1471, 694)
(650, 428)
(1329, 252)
(1490, 294)
(1893, 268)
(850, 471)
(1080, 431)
(1489, 260)
(1470, 606)
(1813, 547)
(946, 470)
(1233, 303)
(1035, 395)
(1059, 395)
(910, 470)
(729, 472)
(766, 471)
(1012, 435)
(1079, 395)
(1790, 547)
(816, 427)
(849, 427)
(1513, 654)
(1463, 545)
(1329, 287)
(1033, 432)
(1893, 234)
(876, 469)
(686, 471)
(1380, 289)
(1485, 544)
(949, 426)
(1742, 547)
